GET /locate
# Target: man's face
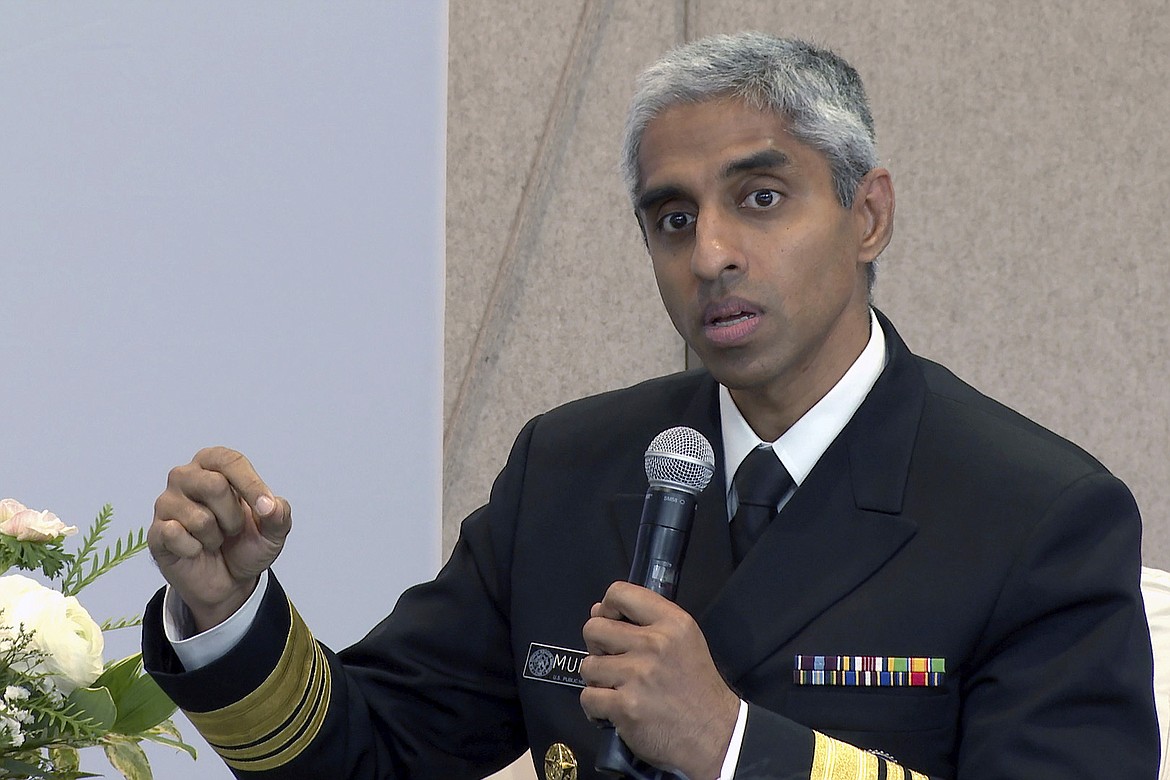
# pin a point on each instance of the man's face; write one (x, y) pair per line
(760, 267)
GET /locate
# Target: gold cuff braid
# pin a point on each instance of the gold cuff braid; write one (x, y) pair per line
(272, 725)
(836, 760)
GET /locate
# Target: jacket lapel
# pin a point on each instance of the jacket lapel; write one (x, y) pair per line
(840, 526)
(817, 550)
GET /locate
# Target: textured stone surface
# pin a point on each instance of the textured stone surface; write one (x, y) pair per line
(1028, 156)
(574, 309)
(1030, 251)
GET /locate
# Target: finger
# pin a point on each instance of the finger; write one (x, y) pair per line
(600, 704)
(169, 539)
(155, 543)
(607, 636)
(625, 600)
(241, 475)
(197, 519)
(193, 484)
(276, 524)
(605, 671)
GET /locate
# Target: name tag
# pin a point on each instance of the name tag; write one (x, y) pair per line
(551, 664)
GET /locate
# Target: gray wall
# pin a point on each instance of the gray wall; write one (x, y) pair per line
(222, 223)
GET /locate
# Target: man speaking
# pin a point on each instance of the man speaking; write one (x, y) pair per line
(889, 575)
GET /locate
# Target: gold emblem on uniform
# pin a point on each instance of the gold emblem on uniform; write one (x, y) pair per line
(560, 763)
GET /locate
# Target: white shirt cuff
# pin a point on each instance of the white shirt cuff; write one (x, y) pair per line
(198, 650)
(731, 760)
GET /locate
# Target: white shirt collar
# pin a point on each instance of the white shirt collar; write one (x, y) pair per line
(801, 446)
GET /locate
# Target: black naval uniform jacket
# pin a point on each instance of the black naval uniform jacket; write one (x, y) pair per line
(938, 525)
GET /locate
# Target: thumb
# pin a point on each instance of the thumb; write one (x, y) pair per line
(273, 517)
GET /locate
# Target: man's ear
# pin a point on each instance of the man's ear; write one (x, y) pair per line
(873, 206)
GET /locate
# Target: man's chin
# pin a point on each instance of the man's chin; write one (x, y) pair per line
(731, 374)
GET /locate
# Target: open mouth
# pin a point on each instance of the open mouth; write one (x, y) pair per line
(730, 320)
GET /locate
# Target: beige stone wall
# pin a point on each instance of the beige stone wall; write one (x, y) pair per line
(1030, 156)
(549, 296)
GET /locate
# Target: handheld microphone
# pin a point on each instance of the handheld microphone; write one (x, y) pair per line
(679, 464)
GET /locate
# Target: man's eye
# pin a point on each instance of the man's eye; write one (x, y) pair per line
(761, 199)
(676, 221)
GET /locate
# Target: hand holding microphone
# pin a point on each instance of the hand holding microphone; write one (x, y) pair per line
(649, 672)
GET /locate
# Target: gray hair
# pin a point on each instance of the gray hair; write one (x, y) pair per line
(817, 92)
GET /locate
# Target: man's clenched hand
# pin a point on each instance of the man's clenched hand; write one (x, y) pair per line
(216, 527)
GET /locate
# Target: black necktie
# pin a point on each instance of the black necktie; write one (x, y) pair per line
(760, 481)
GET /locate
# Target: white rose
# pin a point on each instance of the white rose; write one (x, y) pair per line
(61, 629)
(29, 525)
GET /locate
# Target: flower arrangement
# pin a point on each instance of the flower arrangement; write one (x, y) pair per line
(58, 694)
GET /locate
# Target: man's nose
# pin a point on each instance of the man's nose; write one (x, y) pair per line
(717, 246)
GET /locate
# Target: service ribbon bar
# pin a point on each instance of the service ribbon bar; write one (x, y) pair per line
(869, 671)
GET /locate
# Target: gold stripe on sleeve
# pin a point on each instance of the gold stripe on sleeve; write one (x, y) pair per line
(272, 725)
(836, 760)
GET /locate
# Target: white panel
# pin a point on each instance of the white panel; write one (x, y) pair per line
(222, 223)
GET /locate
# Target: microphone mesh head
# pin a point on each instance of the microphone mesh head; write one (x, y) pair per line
(680, 458)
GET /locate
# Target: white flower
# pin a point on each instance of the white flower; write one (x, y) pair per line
(15, 693)
(11, 729)
(61, 629)
(9, 507)
(30, 525)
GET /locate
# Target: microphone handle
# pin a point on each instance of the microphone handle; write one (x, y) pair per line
(663, 533)
(667, 516)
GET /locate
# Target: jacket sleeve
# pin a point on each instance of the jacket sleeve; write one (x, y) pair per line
(1061, 683)
(430, 692)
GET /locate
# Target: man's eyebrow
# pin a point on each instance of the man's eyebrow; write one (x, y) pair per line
(652, 197)
(765, 159)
